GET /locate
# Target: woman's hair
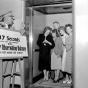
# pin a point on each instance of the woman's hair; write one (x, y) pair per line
(61, 28)
(55, 31)
(67, 25)
(47, 28)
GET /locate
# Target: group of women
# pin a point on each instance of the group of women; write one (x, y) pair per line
(55, 46)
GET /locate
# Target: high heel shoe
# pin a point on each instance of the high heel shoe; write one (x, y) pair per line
(65, 81)
(58, 80)
(69, 82)
(55, 81)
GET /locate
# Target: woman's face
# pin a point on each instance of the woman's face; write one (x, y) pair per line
(47, 32)
(54, 35)
(62, 32)
(68, 30)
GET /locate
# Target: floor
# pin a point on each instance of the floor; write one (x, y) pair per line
(50, 84)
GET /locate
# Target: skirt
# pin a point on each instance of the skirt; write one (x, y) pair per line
(55, 62)
(68, 64)
(44, 62)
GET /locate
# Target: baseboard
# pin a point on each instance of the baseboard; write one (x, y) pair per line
(38, 77)
(15, 86)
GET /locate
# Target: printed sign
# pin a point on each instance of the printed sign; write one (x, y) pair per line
(12, 44)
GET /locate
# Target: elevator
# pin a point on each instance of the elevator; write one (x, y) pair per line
(37, 18)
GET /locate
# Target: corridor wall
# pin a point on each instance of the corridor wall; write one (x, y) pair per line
(63, 19)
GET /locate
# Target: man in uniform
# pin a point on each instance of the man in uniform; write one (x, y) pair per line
(7, 21)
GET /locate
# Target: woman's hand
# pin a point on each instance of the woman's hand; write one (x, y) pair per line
(47, 42)
(22, 30)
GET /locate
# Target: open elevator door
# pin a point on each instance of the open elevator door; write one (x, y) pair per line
(45, 16)
(36, 21)
(38, 24)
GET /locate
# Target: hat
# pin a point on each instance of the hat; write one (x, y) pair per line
(8, 14)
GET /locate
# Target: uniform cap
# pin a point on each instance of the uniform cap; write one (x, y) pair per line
(8, 14)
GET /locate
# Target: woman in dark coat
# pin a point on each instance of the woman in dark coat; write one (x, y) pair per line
(45, 43)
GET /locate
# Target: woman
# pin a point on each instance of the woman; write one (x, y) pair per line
(56, 55)
(63, 36)
(56, 26)
(68, 65)
(45, 43)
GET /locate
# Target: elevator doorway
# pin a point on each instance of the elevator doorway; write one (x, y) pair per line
(39, 18)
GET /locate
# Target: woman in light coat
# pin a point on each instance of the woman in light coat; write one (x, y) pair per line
(56, 55)
(67, 52)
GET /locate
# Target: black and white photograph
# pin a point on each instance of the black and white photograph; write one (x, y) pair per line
(51, 43)
(43, 43)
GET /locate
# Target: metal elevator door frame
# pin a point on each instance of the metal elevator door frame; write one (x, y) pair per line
(30, 46)
(32, 50)
(31, 9)
(31, 40)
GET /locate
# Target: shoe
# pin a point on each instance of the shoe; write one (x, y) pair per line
(69, 82)
(58, 80)
(44, 80)
(55, 81)
(47, 80)
(65, 81)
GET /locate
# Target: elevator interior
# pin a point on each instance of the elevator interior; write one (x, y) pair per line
(37, 17)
